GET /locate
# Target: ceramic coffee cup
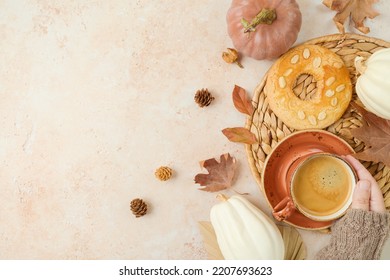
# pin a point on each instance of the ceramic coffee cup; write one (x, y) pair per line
(320, 187)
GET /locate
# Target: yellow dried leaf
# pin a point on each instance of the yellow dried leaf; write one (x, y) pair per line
(210, 241)
(294, 247)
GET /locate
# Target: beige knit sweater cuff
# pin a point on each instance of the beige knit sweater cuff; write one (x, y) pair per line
(359, 235)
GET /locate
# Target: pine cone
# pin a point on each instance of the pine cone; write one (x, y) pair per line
(163, 173)
(203, 97)
(138, 207)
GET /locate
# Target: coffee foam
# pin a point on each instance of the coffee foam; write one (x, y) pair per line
(322, 185)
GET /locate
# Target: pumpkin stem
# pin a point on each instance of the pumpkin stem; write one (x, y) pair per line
(222, 197)
(360, 65)
(265, 16)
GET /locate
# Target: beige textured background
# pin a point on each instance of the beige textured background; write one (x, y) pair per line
(94, 96)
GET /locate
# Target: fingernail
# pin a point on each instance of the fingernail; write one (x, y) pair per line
(364, 185)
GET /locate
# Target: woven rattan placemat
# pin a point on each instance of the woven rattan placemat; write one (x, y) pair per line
(270, 130)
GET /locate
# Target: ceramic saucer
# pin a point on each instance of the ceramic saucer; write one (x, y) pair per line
(286, 153)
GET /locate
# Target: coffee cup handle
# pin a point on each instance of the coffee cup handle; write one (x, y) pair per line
(283, 209)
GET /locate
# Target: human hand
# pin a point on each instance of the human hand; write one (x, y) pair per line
(367, 194)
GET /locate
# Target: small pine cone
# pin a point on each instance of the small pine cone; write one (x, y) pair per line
(138, 207)
(163, 173)
(203, 97)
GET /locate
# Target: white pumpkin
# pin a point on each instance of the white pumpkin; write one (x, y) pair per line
(373, 84)
(244, 232)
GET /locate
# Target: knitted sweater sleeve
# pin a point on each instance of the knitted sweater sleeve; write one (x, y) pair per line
(358, 235)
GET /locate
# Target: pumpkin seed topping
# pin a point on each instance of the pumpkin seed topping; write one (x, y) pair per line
(312, 120)
(330, 81)
(282, 82)
(306, 53)
(329, 93)
(321, 116)
(340, 88)
(294, 59)
(317, 62)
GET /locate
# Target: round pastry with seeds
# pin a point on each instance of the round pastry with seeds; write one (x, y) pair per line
(326, 103)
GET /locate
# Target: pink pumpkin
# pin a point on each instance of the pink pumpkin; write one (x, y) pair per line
(263, 29)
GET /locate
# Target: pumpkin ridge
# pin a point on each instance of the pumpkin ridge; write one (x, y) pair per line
(239, 224)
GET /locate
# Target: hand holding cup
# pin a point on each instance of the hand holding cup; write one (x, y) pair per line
(367, 194)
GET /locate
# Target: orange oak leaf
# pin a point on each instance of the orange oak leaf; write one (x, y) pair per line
(239, 134)
(375, 133)
(220, 174)
(357, 10)
(241, 101)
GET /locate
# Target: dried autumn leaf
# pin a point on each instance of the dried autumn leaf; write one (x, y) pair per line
(241, 101)
(375, 134)
(358, 10)
(294, 247)
(239, 134)
(220, 174)
(210, 241)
